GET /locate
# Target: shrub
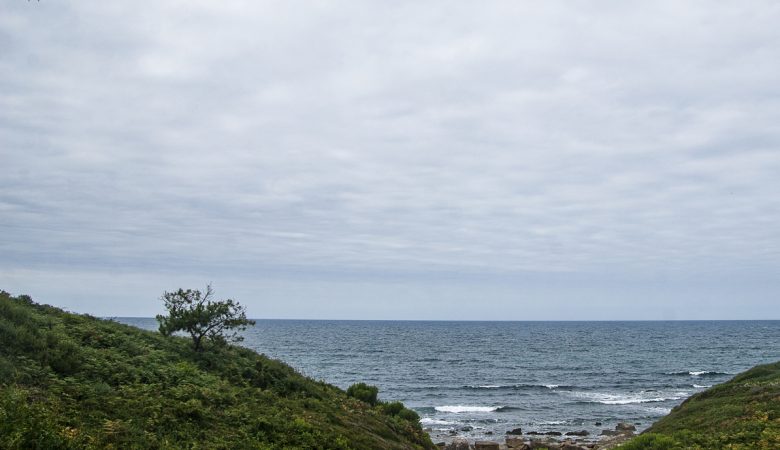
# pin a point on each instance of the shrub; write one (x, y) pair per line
(364, 392)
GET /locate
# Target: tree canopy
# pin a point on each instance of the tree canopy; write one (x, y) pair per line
(202, 317)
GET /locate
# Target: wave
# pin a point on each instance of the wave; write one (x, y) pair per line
(627, 399)
(463, 408)
(507, 408)
(702, 386)
(518, 387)
(432, 421)
(699, 373)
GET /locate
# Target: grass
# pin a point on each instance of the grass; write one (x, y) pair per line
(75, 381)
(743, 413)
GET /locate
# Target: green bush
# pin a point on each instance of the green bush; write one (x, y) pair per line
(364, 393)
(651, 442)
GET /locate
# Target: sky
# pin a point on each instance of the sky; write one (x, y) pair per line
(514, 160)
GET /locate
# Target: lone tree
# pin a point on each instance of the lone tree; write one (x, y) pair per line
(203, 318)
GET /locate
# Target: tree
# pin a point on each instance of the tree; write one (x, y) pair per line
(202, 318)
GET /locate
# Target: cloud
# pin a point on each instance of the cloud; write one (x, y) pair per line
(390, 140)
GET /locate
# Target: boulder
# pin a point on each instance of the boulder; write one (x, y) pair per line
(515, 431)
(553, 433)
(609, 433)
(486, 445)
(549, 444)
(598, 424)
(441, 444)
(534, 433)
(467, 428)
(572, 446)
(577, 433)
(622, 426)
(516, 442)
(458, 443)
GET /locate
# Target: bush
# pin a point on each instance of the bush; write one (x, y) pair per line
(409, 415)
(364, 392)
(651, 442)
(392, 409)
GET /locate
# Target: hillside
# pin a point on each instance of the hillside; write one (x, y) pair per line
(743, 413)
(74, 381)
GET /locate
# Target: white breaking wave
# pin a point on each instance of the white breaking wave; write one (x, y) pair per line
(627, 399)
(490, 386)
(462, 408)
(702, 386)
(659, 410)
(699, 373)
(432, 421)
(551, 386)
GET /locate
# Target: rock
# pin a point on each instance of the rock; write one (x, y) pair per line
(598, 424)
(441, 444)
(549, 444)
(577, 433)
(467, 428)
(572, 446)
(622, 426)
(488, 432)
(458, 443)
(486, 445)
(515, 431)
(609, 433)
(534, 433)
(428, 430)
(516, 442)
(553, 433)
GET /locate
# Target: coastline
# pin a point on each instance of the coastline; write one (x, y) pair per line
(551, 440)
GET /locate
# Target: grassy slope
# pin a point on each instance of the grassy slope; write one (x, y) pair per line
(743, 413)
(73, 381)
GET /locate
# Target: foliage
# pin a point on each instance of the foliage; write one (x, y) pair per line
(743, 413)
(70, 381)
(364, 393)
(203, 318)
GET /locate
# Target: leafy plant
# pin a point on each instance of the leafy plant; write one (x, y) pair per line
(364, 393)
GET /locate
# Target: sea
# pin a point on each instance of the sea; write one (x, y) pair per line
(481, 379)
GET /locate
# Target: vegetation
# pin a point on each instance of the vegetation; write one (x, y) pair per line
(364, 392)
(743, 413)
(218, 321)
(74, 381)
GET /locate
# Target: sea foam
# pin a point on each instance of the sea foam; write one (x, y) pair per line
(432, 421)
(462, 408)
(627, 399)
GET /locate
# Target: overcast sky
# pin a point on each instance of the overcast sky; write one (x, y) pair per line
(394, 160)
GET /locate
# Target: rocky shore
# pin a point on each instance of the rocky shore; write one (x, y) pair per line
(553, 440)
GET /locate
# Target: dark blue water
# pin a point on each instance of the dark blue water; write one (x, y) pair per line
(542, 376)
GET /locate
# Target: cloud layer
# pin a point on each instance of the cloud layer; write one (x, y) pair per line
(351, 141)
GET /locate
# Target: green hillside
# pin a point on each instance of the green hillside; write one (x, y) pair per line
(743, 413)
(74, 381)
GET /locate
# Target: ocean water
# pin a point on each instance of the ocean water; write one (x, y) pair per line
(480, 379)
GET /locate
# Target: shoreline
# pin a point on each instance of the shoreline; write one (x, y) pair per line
(526, 440)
